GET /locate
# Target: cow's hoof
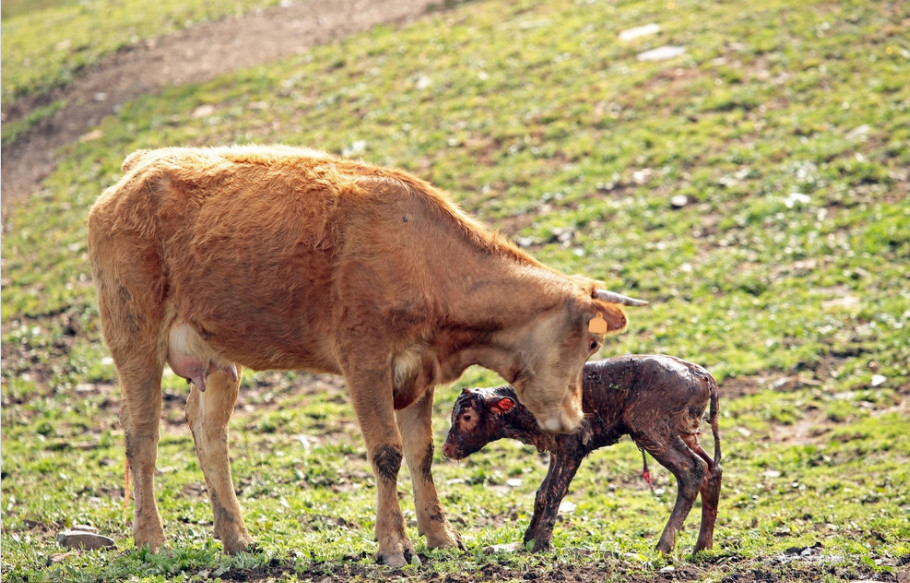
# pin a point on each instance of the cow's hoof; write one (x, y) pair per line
(241, 544)
(398, 560)
(154, 543)
(445, 539)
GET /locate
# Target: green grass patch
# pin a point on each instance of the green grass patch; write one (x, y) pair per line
(785, 272)
(46, 44)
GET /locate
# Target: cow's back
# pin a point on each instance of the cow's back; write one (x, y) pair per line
(260, 248)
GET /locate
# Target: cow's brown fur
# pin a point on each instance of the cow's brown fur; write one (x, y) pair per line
(283, 258)
(657, 400)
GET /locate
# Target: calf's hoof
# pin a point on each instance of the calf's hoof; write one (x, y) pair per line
(664, 547)
(703, 546)
(536, 545)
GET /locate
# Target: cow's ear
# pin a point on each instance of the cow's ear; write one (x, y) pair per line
(613, 316)
(502, 405)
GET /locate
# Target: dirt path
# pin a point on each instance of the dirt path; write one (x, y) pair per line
(195, 54)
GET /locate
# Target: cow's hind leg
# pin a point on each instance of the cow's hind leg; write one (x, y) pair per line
(689, 470)
(140, 413)
(208, 413)
(415, 425)
(132, 321)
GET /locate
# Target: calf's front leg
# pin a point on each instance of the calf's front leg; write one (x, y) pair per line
(552, 490)
(415, 425)
(207, 414)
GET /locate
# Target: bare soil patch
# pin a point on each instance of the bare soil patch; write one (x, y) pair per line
(198, 53)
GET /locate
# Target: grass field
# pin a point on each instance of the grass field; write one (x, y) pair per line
(784, 268)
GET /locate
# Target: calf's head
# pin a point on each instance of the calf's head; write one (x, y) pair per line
(553, 348)
(479, 416)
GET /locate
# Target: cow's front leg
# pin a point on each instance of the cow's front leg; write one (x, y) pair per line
(376, 414)
(415, 424)
(208, 413)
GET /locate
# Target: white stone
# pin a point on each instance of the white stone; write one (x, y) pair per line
(662, 53)
(639, 31)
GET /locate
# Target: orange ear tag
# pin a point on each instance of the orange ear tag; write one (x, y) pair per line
(597, 325)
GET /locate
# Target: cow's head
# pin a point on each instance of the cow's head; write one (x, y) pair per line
(554, 349)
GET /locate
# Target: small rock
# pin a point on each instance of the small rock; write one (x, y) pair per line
(859, 133)
(795, 198)
(878, 380)
(679, 201)
(60, 557)
(661, 53)
(90, 136)
(639, 31)
(567, 507)
(203, 111)
(503, 548)
(514, 482)
(580, 551)
(78, 539)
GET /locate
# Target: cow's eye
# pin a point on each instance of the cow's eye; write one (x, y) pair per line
(466, 418)
(594, 345)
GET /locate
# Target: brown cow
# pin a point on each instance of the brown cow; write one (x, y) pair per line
(279, 258)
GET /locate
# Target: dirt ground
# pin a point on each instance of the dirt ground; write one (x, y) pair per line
(199, 53)
(207, 50)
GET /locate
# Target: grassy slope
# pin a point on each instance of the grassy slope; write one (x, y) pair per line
(46, 43)
(785, 128)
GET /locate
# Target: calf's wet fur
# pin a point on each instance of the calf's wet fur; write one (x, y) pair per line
(657, 400)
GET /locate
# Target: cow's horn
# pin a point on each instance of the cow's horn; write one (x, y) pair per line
(616, 298)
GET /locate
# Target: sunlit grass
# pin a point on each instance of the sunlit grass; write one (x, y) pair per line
(784, 272)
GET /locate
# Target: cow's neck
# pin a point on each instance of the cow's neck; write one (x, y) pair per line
(496, 312)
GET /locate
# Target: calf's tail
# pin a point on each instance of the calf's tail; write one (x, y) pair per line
(712, 417)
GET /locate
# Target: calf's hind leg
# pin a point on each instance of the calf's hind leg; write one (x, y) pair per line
(710, 497)
(207, 414)
(689, 470)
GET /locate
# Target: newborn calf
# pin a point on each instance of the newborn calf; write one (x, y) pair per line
(657, 400)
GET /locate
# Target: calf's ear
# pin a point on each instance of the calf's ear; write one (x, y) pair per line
(502, 405)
